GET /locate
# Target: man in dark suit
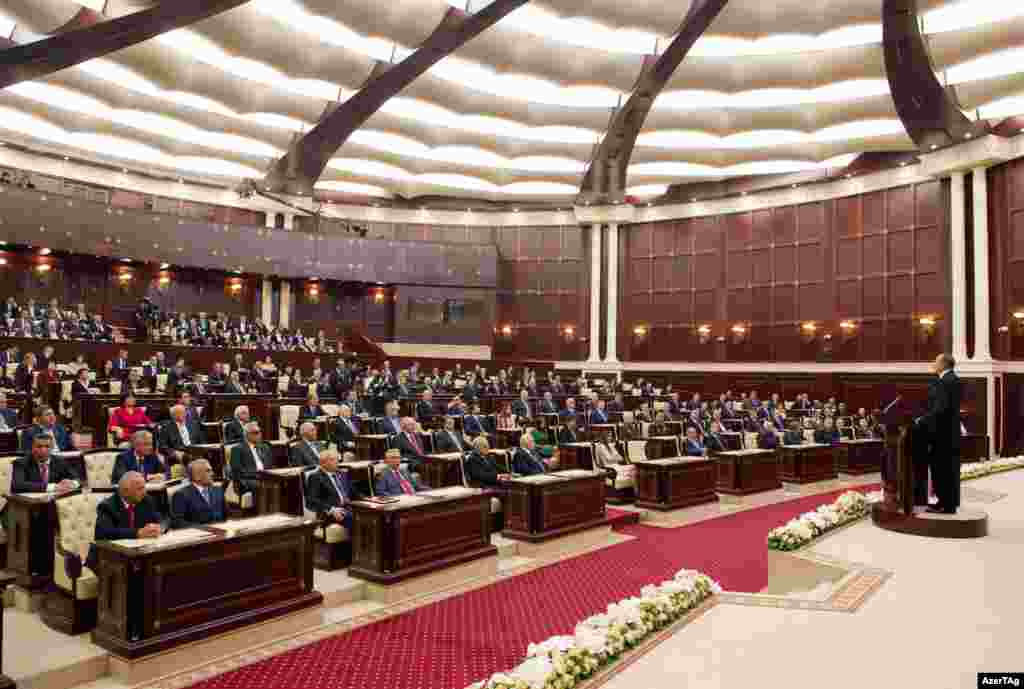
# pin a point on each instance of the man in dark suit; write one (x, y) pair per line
(352, 400)
(306, 451)
(234, 385)
(329, 492)
(248, 459)
(570, 408)
(567, 433)
(693, 447)
(140, 458)
(941, 423)
(521, 407)
(311, 409)
(395, 480)
(448, 440)
(713, 438)
(128, 513)
(177, 377)
(121, 365)
(472, 424)
(526, 461)
(480, 467)
(346, 428)
(547, 405)
(391, 424)
(38, 471)
(24, 380)
(200, 502)
(828, 434)
(80, 386)
(598, 414)
(8, 417)
(409, 444)
(425, 411)
(768, 439)
(46, 424)
(178, 432)
(617, 405)
(234, 431)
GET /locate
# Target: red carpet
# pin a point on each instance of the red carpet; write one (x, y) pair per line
(448, 645)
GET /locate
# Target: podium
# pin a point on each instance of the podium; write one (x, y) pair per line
(905, 491)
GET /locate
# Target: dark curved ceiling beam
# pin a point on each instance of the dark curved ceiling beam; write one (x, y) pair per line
(605, 179)
(930, 112)
(302, 166)
(83, 43)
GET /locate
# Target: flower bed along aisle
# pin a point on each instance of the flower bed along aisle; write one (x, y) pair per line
(562, 662)
(994, 466)
(800, 531)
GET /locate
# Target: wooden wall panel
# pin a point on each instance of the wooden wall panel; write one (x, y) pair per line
(877, 260)
(1006, 251)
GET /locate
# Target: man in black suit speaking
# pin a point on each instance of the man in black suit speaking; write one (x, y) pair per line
(941, 423)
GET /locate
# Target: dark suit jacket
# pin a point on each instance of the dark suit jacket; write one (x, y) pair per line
(308, 412)
(527, 463)
(389, 425)
(942, 420)
(388, 484)
(321, 495)
(343, 435)
(713, 442)
(23, 378)
(78, 389)
(693, 449)
(598, 416)
(565, 436)
(300, 455)
(792, 438)
(471, 425)
(231, 388)
(169, 437)
(823, 437)
(443, 442)
(10, 417)
(28, 479)
(409, 452)
(243, 466)
(233, 432)
(481, 470)
(425, 410)
(548, 407)
(768, 441)
(112, 522)
(521, 408)
(127, 461)
(59, 434)
(188, 508)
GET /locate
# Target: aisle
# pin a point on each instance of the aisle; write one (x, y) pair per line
(449, 644)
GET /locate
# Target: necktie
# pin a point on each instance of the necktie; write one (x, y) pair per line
(205, 492)
(44, 472)
(183, 429)
(337, 486)
(404, 483)
(131, 516)
(415, 443)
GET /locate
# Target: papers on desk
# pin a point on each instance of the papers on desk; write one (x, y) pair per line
(354, 465)
(161, 485)
(37, 496)
(537, 478)
(290, 471)
(206, 446)
(279, 442)
(449, 492)
(168, 539)
(807, 445)
(573, 473)
(446, 455)
(747, 451)
(267, 521)
(668, 461)
(68, 455)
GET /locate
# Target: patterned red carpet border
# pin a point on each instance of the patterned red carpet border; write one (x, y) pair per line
(454, 642)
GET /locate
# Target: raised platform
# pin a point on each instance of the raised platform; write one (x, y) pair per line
(966, 523)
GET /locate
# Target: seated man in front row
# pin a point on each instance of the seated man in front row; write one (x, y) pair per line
(234, 432)
(693, 447)
(140, 458)
(248, 459)
(481, 469)
(200, 502)
(329, 491)
(41, 473)
(128, 513)
(527, 461)
(395, 480)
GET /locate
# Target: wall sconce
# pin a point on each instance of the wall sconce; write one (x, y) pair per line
(927, 324)
(569, 332)
(3, 261)
(704, 334)
(235, 286)
(739, 333)
(124, 277)
(640, 331)
(1019, 315)
(44, 252)
(43, 268)
(378, 296)
(506, 330)
(808, 332)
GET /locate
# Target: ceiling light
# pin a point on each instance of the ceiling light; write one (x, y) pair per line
(45, 252)
(43, 267)
(968, 135)
(926, 320)
(1019, 315)
(738, 329)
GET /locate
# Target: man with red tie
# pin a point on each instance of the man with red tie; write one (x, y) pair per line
(395, 480)
(128, 513)
(410, 445)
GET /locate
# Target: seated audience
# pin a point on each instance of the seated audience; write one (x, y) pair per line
(395, 480)
(599, 414)
(80, 386)
(792, 436)
(391, 424)
(425, 411)
(346, 427)
(329, 491)
(567, 433)
(448, 440)
(692, 446)
(234, 431)
(504, 419)
(410, 445)
(128, 418)
(8, 417)
(248, 459)
(713, 438)
(312, 409)
(140, 458)
(607, 456)
(481, 469)
(306, 451)
(40, 472)
(179, 432)
(129, 513)
(201, 502)
(526, 461)
(768, 438)
(46, 424)
(472, 423)
(828, 434)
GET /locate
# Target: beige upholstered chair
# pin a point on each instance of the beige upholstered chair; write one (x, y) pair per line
(289, 414)
(231, 498)
(115, 387)
(332, 547)
(282, 384)
(71, 604)
(161, 382)
(636, 451)
(99, 465)
(750, 440)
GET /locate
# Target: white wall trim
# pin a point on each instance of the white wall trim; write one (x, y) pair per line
(968, 369)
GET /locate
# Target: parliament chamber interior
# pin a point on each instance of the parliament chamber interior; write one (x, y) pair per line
(510, 345)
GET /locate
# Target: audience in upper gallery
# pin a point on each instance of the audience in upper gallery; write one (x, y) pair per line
(395, 480)
(201, 502)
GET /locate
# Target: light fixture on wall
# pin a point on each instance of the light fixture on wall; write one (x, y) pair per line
(43, 268)
(569, 332)
(45, 252)
(740, 333)
(808, 331)
(164, 280)
(1019, 315)
(640, 331)
(926, 327)
(506, 330)
(124, 277)
(704, 333)
(378, 296)
(3, 261)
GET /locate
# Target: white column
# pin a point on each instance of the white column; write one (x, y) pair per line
(289, 221)
(270, 219)
(286, 303)
(613, 293)
(958, 265)
(982, 350)
(595, 292)
(990, 407)
(266, 301)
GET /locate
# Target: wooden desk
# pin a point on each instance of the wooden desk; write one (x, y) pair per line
(5, 681)
(420, 534)
(546, 506)
(598, 430)
(806, 463)
(280, 491)
(371, 448)
(31, 523)
(9, 443)
(731, 440)
(974, 448)
(674, 482)
(576, 456)
(662, 446)
(860, 456)
(742, 472)
(442, 469)
(171, 592)
(507, 437)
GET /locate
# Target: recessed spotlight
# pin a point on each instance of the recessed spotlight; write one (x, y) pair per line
(968, 135)
(795, 186)
(515, 210)
(903, 163)
(44, 252)
(67, 158)
(124, 170)
(934, 146)
(181, 180)
(165, 266)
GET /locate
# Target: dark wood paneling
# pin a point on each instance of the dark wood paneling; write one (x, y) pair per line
(878, 260)
(1006, 235)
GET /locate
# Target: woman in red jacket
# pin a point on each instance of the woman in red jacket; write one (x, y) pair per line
(128, 418)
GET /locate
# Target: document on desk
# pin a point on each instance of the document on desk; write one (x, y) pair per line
(168, 539)
(449, 492)
(573, 473)
(537, 478)
(266, 521)
(668, 461)
(290, 471)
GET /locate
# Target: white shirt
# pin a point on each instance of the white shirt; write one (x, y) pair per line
(313, 448)
(183, 429)
(256, 457)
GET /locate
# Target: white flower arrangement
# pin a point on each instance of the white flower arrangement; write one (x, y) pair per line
(562, 662)
(798, 532)
(995, 466)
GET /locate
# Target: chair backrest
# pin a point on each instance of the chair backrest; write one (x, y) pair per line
(282, 383)
(289, 415)
(161, 382)
(6, 478)
(809, 435)
(750, 440)
(462, 469)
(644, 426)
(636, 450)
(115, 387)
(332, 409)
(171, 490)
(627, 417)
(306, 512)
(76, 519)
(99, 465)
(660, 405)
(227, 460)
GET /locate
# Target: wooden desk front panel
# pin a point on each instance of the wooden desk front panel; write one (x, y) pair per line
(974, 448)
(576, 456)
(516, 506)
(568, 503)
(279, 494)
(31, 525)
(441, 531)
(691, 483)
(860, 458)
(742, 475)
(646, 483)
(662, 447)
(806, 465)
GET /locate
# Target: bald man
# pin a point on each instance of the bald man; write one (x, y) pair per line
(128, 513)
